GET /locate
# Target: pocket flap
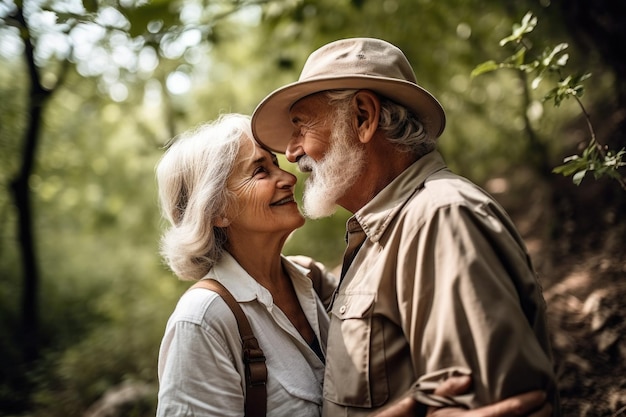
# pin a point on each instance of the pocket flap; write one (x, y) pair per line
(353, 306)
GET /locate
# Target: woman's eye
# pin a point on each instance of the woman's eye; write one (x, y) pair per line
(259, 170)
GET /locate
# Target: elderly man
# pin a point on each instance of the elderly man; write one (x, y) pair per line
(435, 277)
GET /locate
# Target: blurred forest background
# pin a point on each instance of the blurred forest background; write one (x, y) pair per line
(91, 91)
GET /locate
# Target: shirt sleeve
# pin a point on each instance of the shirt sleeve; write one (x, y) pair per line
(479, 305)
(198, 375)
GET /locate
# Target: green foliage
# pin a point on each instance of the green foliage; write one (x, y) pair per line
(594, 158)
(105, 296)
(119, 348)
(571, 86)
(104, 293)
(592, 161)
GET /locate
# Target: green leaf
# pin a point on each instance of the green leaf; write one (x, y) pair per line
(529, 21)
(562, 61)
(528, 24)
(578, 177)
(519, 57)
(614, 161)
(530, 67)
(484, 68)
(508, 39)
(572, 165)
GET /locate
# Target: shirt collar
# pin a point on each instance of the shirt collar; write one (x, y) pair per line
(236, 280)
(376, 215)
(243, 287)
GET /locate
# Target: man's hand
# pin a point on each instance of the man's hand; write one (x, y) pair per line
(530, 404)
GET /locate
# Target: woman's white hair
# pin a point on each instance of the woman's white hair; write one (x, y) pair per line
(192, 176)
(401, 127)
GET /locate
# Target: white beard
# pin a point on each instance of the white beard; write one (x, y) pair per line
(334, 174)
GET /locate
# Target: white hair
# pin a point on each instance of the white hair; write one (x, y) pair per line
(401, 127)
(192, 177)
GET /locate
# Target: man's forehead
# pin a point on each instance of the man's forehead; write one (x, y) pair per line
(308, 106)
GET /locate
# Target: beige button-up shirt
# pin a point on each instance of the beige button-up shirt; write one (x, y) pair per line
(442, 279)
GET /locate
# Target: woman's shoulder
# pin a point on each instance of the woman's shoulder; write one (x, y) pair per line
(200, 324)
(203, 307)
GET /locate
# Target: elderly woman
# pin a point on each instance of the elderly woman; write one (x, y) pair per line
(231, 209)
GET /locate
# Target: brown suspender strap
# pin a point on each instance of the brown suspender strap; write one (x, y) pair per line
(253, 358)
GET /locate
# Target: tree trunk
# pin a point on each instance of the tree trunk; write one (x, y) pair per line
(37, 97)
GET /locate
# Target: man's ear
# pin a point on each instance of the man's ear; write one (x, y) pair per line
(367, 109)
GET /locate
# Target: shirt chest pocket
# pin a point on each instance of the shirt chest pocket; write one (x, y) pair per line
(355, 363)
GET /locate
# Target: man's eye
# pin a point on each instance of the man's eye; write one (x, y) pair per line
(299, 131)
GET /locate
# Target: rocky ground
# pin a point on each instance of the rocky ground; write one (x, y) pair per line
(577, 239)
(587, 315)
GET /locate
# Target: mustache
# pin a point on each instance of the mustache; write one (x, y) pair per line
(306, 164)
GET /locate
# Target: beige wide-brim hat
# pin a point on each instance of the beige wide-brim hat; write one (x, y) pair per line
(356, 63)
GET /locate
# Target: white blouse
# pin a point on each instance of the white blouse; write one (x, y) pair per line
(201, 372)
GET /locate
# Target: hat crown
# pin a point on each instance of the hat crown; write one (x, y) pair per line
(358, 56)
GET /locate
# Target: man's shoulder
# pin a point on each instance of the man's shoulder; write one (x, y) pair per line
(445, 188)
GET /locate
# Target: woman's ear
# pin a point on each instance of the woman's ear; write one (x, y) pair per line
(222, 222)
(367, 105)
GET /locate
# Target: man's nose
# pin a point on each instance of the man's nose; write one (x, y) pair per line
(294, 150)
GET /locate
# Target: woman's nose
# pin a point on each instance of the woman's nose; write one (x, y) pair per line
(287, 179)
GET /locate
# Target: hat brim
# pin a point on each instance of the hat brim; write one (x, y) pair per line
(271, 124)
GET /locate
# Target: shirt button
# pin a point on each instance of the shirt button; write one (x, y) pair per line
(342, 309)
